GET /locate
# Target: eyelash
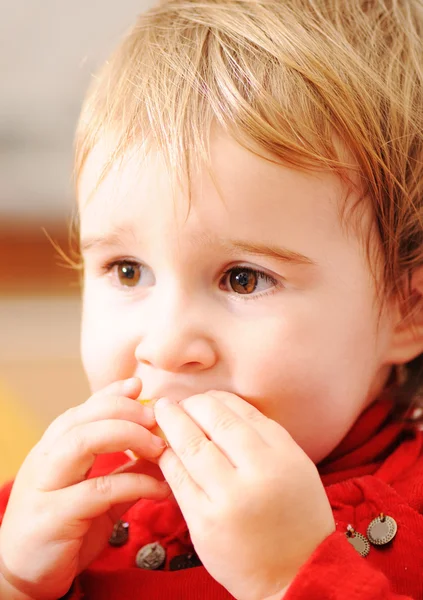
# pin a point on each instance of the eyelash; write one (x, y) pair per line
(261, 275)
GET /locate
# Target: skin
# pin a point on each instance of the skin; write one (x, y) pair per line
(247, 353)
(303, 350)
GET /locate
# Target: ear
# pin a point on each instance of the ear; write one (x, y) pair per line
(407, 334)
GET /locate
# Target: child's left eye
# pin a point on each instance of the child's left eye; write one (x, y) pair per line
(246, 281)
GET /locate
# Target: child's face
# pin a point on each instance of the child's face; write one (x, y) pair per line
(218, 297)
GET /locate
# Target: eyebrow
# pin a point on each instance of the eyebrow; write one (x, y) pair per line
(282, 254)
(113, 238)
(278, 253)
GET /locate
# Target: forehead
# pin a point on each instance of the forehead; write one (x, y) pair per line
(243, 190)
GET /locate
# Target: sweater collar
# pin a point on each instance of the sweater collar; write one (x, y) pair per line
(372, 438)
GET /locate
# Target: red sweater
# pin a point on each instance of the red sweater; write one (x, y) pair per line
(377, 468)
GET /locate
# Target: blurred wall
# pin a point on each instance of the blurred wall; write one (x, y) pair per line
(49, 51)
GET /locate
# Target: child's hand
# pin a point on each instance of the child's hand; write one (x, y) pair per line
(253, 501)
(57, 521)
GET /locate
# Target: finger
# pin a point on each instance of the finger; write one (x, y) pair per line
(235, 437)
(93, 497)
(130, 388)
(99, 409)
(187, 492)
(142, 467)
(73, 456)
(202, 459)
(270, 431)
(127, 387)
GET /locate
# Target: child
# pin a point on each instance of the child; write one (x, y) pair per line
(250, 193)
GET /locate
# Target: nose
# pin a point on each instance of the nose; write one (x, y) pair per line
(176, 336)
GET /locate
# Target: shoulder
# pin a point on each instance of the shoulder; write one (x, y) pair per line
(403, 470)
(395, 490)
(397, 481)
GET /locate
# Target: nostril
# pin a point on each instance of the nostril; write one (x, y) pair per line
(175, 354)
(192, 365)
(144, 361)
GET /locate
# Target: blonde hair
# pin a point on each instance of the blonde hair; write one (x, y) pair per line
(292, 77)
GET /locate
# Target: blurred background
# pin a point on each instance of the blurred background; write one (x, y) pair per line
(49, 50)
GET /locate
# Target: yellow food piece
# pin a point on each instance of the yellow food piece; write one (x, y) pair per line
(147, 401)
(156, 430)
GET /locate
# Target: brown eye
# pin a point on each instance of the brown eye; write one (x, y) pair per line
(129, 274)
(243, 281)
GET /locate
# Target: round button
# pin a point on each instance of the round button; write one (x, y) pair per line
(185, 561)
(152, 556)
(120, 534)
(382, 530)
(357, 541)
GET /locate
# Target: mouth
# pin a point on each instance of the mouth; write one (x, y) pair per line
(176, 395)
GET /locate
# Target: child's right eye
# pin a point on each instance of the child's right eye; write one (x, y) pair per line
(129, 273)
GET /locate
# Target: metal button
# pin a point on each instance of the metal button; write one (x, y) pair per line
(382, 530)
(358, 541)
(152, 556)
(184, 561)
(120, 534)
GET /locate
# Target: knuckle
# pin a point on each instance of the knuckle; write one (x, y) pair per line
(69, 418)
(254, 415)
(62, 421)
(178, 478)
(226, 422)
(103, 486)
(193, 446)
(94, 398)
(76, 444)
(71, 412)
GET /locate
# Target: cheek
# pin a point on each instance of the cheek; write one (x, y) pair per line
(107, 345)
(311, 373)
